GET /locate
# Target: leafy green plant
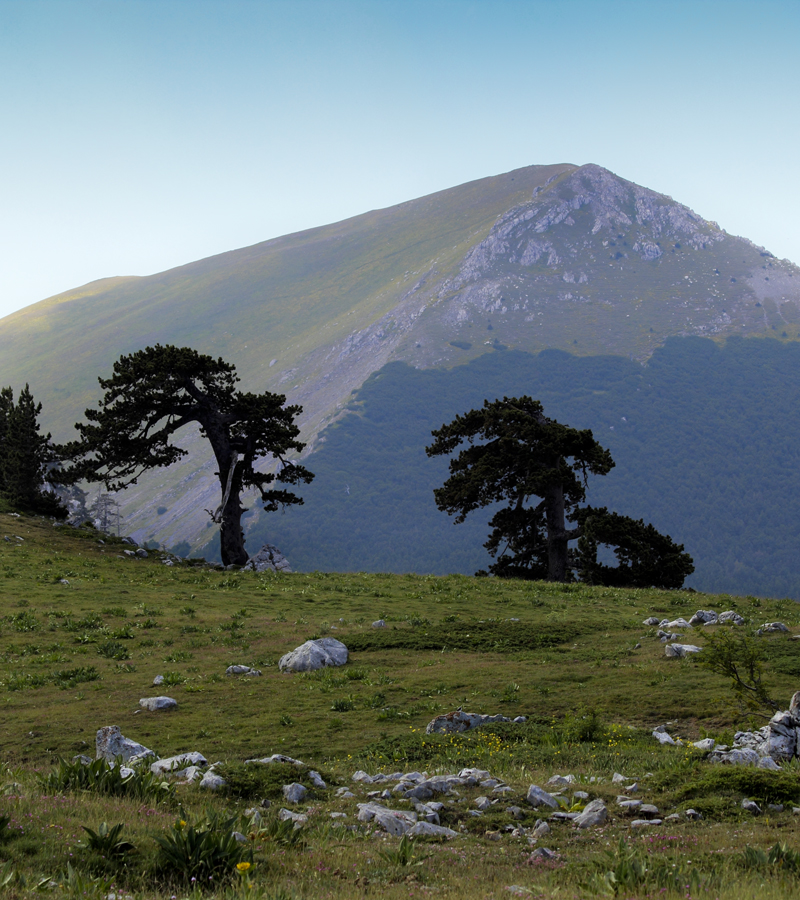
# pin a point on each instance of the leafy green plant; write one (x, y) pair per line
(277, 832)
(208, 851)
(106, 841)
(113, 650)
(403, 854)
(102, 777)
(780, 857)
(343, 704)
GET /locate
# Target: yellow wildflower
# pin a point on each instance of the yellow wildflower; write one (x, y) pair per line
(243, 866)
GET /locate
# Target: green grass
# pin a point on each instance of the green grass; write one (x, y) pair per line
(570, 665)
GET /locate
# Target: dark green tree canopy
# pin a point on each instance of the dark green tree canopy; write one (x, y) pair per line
(27, 457)
(514, 453)
(157, 391)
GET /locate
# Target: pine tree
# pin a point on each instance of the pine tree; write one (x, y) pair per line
(26, 457)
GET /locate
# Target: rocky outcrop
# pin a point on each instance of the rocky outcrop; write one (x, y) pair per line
(268, 559)
(458, 721)
(110, 744)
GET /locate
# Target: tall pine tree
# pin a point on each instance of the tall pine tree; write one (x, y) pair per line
(26, 456)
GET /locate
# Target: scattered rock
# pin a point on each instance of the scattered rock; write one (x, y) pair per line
(268, 559)
(515, 812)
(316, 779)
(241, 670)
(595, 813)
(294, 793)
(379, 623)
(456, 722)
(275, 758)
(541, 829)
(681, 650)
(110, 743)
(651, 621)
(706, 745)
(678, 623)
(314, 655)
(772, 628)
(704, 617)
(212, 782)
(393, 821)
(752, 807)
(775, 807)
(767, 762)
(428, 829)
(737, 757)
(730, 618)
(157, 703)
(561, 781)
(543, 853)
(299, 819)
(693, 815)
(159, 679)
(538, 797)
(174, 763)
(645, 823)
(482, 803)
(662, 737)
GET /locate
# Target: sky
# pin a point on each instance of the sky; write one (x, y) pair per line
(139, 135)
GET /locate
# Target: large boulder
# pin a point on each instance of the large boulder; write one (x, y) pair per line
(110, 743)
(314, 655)
(268, 559)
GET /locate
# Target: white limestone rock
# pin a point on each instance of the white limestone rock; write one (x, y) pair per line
(538, 797)
(680, 651)
(154, 704)
(314, 655)
(174, 763)
(110, 743)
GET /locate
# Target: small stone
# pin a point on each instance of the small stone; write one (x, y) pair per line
(538, 797)
(515, 812)
(580, 795)
(681, 651)
(752, 807)
(542, 853)
(644, 823)
(707, 744)
(775, 807)
(379, 623)
(772, 628)
(429, 829)
(541, 829)
(316, 779)
(159, 679)
(693, 814)
(651, 621)
(153, 704)
(482, 803)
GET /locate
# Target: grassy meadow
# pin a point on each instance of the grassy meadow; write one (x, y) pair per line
(84, 629)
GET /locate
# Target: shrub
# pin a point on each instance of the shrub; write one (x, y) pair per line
(207, 852)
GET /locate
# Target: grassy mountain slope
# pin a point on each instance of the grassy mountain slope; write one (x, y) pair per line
(85, 630)
(546, 256)
(706, 441)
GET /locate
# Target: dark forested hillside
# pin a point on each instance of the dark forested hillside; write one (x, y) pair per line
(706, 439)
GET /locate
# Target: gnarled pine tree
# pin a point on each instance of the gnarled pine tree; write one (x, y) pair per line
(157, 391)
(516, 453)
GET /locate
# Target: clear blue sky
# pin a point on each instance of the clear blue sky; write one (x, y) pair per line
(137, 135)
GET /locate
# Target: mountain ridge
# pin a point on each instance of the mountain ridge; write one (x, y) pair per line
(560, 256)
